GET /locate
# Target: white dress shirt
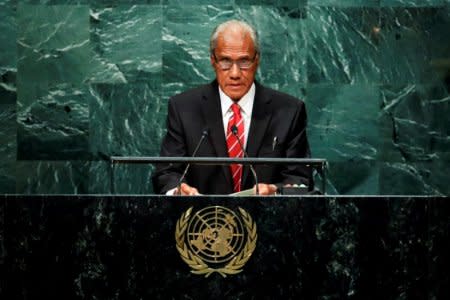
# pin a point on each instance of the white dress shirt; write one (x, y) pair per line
(246, 105)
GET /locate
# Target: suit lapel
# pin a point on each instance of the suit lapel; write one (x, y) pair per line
(212, 114)
(261, 116)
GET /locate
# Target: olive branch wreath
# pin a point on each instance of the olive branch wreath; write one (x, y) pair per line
(197, 265)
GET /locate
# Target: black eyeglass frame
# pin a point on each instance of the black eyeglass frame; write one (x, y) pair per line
(232, 62)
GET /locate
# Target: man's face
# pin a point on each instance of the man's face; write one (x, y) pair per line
(236, 47)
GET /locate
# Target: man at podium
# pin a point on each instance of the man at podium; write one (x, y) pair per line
(233, 116)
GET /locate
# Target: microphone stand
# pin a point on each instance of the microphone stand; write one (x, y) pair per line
(234, 131)
(204, 135)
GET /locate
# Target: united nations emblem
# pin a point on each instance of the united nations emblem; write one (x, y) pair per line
(215, 239)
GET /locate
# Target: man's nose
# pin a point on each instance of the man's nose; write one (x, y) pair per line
(235, 71)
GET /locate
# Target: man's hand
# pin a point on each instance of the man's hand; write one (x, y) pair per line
(265, 189)
(186, 190)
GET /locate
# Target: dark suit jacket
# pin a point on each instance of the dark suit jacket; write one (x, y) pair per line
(274, 114)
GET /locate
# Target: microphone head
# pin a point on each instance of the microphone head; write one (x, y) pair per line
(234, 129)
(205, 132)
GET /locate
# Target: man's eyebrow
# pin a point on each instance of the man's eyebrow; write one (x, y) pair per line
(239, 58)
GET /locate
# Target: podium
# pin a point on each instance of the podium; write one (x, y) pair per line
(310, 247)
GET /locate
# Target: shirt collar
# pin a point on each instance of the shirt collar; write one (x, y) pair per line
(246, 102)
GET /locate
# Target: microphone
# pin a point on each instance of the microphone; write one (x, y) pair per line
(234, 130)
(205, 134)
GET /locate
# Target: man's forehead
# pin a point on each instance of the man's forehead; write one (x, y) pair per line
(238, 41)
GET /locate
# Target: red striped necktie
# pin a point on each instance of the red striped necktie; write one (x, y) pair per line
(234, 149)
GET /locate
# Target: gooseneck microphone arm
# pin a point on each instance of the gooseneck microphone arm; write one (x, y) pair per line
(205, 134)
(234, 130)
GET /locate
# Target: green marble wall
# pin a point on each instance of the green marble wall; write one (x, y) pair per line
(83, 80)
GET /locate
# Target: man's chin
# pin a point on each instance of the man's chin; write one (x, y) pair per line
(235, 95)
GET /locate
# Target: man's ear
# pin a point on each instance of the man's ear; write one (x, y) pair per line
(212, 60)
(257, 59)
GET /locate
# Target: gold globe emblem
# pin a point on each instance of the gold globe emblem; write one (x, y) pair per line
(216, 239)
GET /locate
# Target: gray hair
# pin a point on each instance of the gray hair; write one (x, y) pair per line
(241, 24)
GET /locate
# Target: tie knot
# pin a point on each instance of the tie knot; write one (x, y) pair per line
(236, 109)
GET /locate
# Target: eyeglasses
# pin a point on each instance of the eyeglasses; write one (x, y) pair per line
(243, 64)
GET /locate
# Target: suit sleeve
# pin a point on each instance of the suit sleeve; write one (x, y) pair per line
(166, 176)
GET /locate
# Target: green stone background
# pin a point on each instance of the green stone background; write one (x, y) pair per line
(83, 80)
